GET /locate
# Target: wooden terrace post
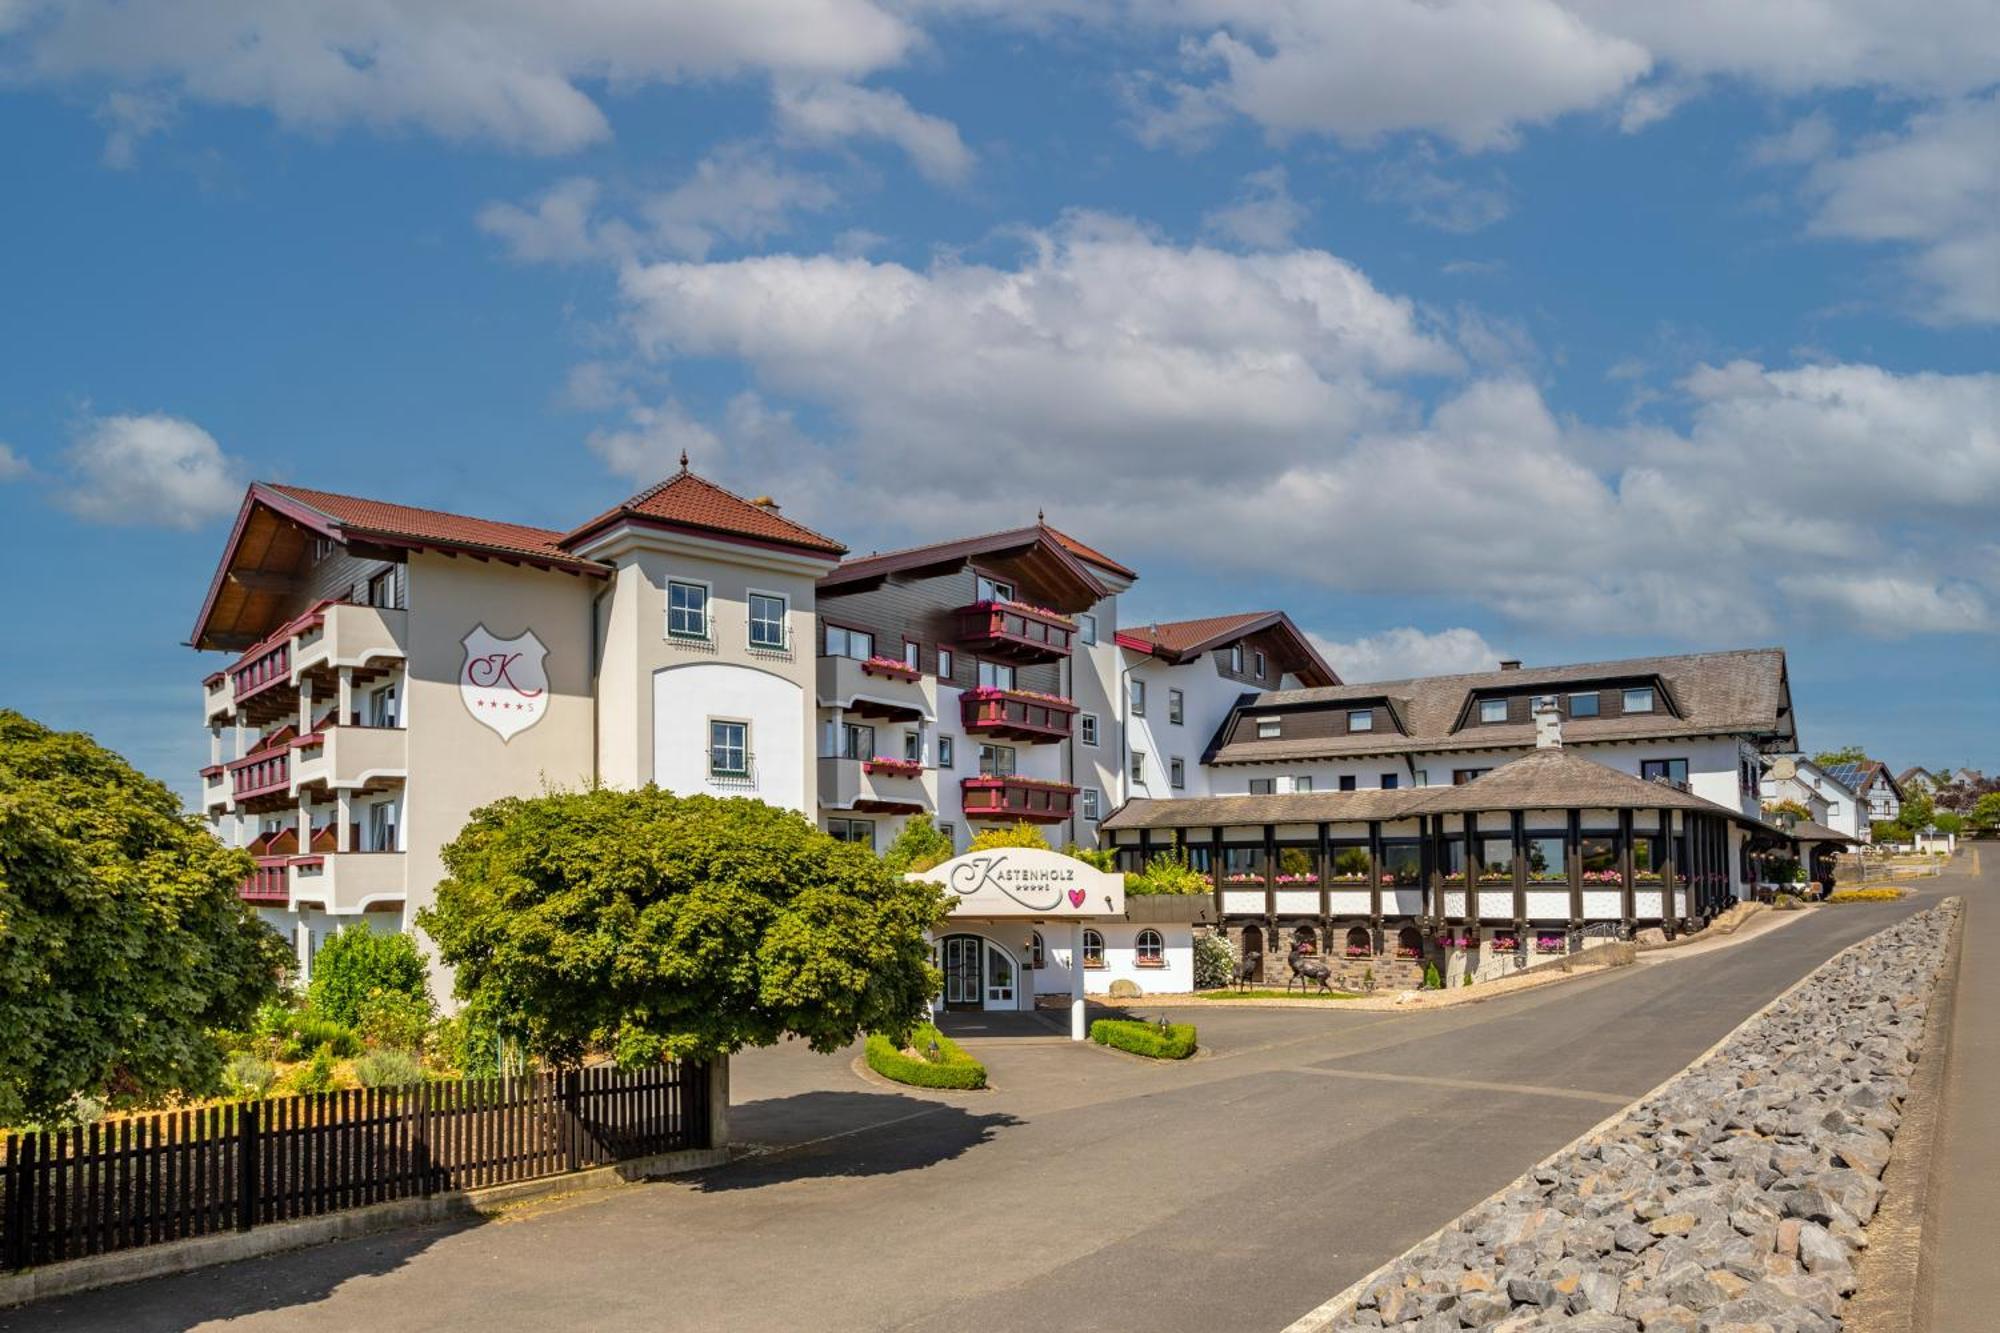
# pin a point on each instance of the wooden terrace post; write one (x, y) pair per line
(1470, 857)
(1670, 864)
(1270, 890)
(1517, 823)
(1323, 858)
(1215, 874)
(1573, 862)
(1375, 881)
(1628, 897)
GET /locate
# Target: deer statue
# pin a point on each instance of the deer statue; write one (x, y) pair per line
(1307, 970)
(1246, 969)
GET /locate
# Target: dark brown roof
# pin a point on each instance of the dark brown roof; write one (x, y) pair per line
(687, 503)
(1551, 779)
(1181, 640)
(1066, 580)
(1093, 555)
(1807, 830)
(360, 518)
(1740, 692)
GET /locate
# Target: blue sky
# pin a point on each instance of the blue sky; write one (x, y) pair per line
(1467, 328)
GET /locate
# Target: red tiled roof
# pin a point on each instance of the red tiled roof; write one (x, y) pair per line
(687, 501)
(1092, 554)
(1182, 636)
(362, 518)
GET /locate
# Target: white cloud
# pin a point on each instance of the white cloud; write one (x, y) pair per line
(1264, 216)
(649, 445)
(1399, 654)
(1434, 199)
(1934, 187)
(154, 471)
(1887, 605)
(129, 118)
(509, 72)
(832, 112)
(12, 466)
(558, 228)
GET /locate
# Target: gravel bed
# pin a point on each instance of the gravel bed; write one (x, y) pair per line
(1733, 1200)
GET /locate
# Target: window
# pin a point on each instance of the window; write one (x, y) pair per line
(854, 643)
(947, 752)
(945, 664)
(1347, 782)
(913, 745)
(1176, 707)
(1461, 776)
(1149, 950)
(1262, 786)
(1270, 728)
(767, 621)
(382, 707)
(1389, 781)
(1260, 666)
(1833, 809)
(996, 761)
(1236, 658)
(1138, 769)
(1423, 777)
(1086, 728)
(1545, 859)
(996, 675)
(687, 610)
(1583, 705)
(1361, 719)
(913, 655)
(382, 590)
(857, 740)
(729, 749)
(1086, 627)
(1037, 954)
(381, 827)
(1138, 689)
(1492, 710)
(1090, 804)
(1093, 949)
(1639, 700)
(1302, 783)
(950, 831)
(1496, 860)
(991, 590)
(1176, 773)
(853, 830)
(1664, 770)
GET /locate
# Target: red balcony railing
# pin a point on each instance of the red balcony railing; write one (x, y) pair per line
(1015, 631)
(268, 882)
(1013, 798)
(1016, 715)
(264, 670)
(261, 774)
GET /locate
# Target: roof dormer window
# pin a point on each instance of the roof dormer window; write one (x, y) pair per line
(1639, 700)
(1492, 710)
(1270, 728)
(1361, 719)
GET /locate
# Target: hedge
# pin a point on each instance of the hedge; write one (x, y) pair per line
(1174, 1042)
(952, 1069)
(1865, 896)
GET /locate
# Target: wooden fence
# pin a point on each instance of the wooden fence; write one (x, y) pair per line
(117, 1185)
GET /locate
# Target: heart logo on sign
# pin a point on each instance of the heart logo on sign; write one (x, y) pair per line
(1076, 897)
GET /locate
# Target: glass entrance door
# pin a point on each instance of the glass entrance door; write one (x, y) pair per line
(961, 972)
(999, 979)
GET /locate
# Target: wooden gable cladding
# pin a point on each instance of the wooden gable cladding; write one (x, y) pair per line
(1610, 694)
(922, 608)
(1319, 722)
(275, 570)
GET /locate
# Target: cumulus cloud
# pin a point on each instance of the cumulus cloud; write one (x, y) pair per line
(835, 112)
(1435, 199)
(1399, 654)
(12, 466)
(1264, 216)
(153, 471)
(508, 72)
(649, 445)
(130, 118)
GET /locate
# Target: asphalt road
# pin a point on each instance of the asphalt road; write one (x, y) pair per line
(1090, 1191)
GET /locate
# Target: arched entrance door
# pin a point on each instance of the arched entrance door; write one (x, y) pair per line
(964, 986)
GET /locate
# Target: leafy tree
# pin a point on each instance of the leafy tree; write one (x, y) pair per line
(1097, 858)
(1019, 834)
(123, 943)
(1947, 822)
(1168, 872)
(1795, 809)
(358, 963)
(919, 846)
(1852, 754)
(657, 926)
(1985, 813)
(1886, 830)
(1916, 813)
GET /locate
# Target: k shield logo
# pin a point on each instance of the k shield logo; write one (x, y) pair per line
(504, 682)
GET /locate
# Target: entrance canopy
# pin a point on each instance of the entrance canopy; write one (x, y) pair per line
(1027, 883)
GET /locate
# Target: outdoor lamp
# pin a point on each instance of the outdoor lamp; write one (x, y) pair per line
(934, 1050)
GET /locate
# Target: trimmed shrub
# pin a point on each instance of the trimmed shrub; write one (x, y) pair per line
(1432, 981)
(1171, 1041)
(311, 1033)
(388, 1069)
(249, 1077)
(1884, 895)
(357, 963)
(953, 1068)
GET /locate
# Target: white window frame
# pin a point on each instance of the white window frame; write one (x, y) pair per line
(995, 670)
(1093, 944)
(713, 770)
(1177, 773)
(1088, 803)
(947, 752)
(1136, 769)
(1135, 693)
(707, 634)
(1486, 707)
(1086, 627)
(1361, 719)
(750, 623)
(991, 590)
(1236, 658)
(1177, 707)
(1145, 954)
(1261, 665)
(1652, 699)
(1596, 698)
(945, 663)
(1086, 728)
(847, 637)
(1270, 728)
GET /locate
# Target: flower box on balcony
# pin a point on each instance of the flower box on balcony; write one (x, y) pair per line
(1550, 944)
(890, 668)
(892, 767)
(1016, 630)
(1506, 944)
(1496, 881)
(1603, 877)
(1033, 799)
(1298, 881)
(1028, 716)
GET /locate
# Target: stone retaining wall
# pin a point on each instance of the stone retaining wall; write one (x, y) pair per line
(1735, 1198)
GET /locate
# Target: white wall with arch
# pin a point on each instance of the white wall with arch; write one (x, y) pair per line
(687, 698)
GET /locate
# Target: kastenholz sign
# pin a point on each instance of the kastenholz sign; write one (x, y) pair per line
(1027, 882)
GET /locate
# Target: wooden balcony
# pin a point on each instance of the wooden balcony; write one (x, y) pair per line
(878, 786)
(1016, 798)
(1015, 715)
(218, 698)
(262, 684)
(262, 779)
(1014, 632)
(269, 884)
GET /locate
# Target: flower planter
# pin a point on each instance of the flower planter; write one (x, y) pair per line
(895, 768)
(890, 668)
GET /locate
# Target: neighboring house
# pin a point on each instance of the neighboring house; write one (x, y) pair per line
(1880, 796)
(1832, 802)
(1922, 779)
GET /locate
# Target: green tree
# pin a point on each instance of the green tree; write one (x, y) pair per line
(1852, 754)
(1985, 812)
(357, 964)
(919, 846)
(1795, 809)
(1018, 834)
(1916, 813)
(1947, 822)
(123, 941)
(653, 926)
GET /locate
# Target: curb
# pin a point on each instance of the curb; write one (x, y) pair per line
(74, 1276)
(1321, 1317)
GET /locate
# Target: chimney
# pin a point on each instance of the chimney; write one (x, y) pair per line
(1548, 724)
(766, 502)
(1510, 664)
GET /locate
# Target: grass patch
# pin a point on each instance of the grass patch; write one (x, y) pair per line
(1881, 895)
(953, 1068)
(1174, 1041)
(1275, 995)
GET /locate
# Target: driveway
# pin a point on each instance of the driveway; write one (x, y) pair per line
(1090, 1190)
